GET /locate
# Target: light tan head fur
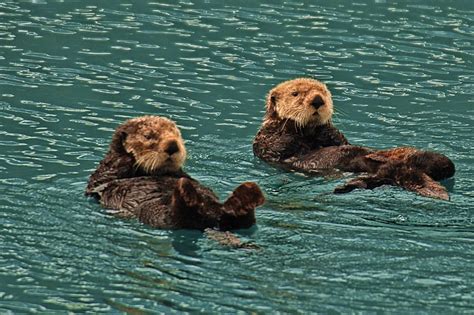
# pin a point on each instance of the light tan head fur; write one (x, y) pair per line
(306, 101)
(155, 143)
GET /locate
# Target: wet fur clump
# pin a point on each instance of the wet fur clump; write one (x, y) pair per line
(141, 177)
(297, 134)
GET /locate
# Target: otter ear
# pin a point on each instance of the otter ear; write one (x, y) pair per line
(271, 99)
(120, 135)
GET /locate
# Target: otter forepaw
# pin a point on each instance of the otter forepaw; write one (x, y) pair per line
(186, 193)
(367, 182)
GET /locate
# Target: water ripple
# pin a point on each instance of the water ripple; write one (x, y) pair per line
(400, 74)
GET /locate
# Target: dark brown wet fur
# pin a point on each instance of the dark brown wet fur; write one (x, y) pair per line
(160, 193)
(316, 146)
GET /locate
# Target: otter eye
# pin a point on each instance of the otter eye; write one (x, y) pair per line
(148, 136)
(294, 93)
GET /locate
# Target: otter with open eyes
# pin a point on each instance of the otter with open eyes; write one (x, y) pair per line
(297, 134)
(141, 176)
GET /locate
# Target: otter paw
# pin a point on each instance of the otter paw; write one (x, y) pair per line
(245, 197)
(363, 182)
(186, 193)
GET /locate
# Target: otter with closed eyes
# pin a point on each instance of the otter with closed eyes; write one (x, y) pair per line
(297, 134)
(141, 176)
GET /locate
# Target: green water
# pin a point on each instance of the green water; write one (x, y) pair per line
(401, 73)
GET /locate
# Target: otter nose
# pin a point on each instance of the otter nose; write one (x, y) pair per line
(172, 147)
(317, 102)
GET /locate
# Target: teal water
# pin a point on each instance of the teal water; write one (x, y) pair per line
(401, 74)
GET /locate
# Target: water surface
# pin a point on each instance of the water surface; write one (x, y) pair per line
(70, 71)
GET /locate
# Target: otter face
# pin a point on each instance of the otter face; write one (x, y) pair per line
(306, 101)
(155, 143)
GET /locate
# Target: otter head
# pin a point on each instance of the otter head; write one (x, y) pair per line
(305, 101)
(154, 142)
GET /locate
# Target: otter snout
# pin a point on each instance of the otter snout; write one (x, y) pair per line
(317, 102)
(172, 147)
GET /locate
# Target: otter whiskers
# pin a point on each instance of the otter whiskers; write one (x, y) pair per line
(149, 161)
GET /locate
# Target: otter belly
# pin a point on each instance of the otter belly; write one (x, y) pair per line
(128, 194)
(345, 158)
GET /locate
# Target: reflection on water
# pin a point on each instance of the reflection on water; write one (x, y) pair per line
(70, 71)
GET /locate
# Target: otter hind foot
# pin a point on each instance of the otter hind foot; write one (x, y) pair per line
(427, 187)
(245, 197)
(421, 184)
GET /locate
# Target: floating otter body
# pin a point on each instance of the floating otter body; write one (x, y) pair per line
(141, 176)
(297, 133)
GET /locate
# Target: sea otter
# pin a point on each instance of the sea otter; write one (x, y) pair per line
(141, 176)
(297, 133)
